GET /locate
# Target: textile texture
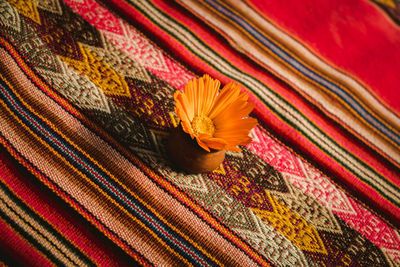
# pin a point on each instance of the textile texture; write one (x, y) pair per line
(86, 107)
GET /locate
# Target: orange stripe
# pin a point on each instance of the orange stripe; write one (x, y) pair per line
(314, 52)
(345, 190)
(53, 227)
(73, 204)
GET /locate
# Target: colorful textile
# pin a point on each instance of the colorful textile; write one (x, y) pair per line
(86, 104)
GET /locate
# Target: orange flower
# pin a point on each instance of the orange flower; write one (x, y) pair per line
(217, 119)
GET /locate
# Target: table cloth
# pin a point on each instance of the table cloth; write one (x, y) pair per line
(86, 106)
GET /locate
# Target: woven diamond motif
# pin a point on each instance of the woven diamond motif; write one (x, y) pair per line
(49, 5)
(129, 40)
(126, 129)
(195, 183)
(354, 249)
(369, 225)
(392, 255)
(310, 210)
(258, 171)
(273, 153)
(272, 244)
(314, 184)
(9, 17)
(224, 206)
(101, 19)
(58, 39)
(292, 226)
(73, 24)
(145, 102)
(29, 43)
(119, 61)
(99, 72)
(77, 89)
(287, 216)
(27, 8)
(138, 48)
(189, 182)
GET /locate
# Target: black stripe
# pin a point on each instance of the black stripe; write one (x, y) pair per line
(30, 239)
(37, 231)
(45, 225)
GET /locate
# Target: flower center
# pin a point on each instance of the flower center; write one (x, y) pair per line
(203, 125)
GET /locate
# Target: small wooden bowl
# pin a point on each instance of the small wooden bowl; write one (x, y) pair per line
(189, 156)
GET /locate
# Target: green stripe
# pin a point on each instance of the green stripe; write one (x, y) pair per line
(266, 103)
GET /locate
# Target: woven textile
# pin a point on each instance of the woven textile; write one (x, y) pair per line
(86, 105)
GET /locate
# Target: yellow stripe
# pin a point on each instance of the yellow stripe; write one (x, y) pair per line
(40, 233)
(279, 44)
(386, 140)
(305, 116)
(332, 181)
(72, 203)
(261, 102)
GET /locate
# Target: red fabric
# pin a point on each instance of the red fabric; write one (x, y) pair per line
(360, 39)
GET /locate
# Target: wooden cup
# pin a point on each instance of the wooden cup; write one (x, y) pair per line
(189, 156)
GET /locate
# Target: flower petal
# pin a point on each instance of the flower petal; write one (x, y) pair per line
(226, 109)
(185, 105)
(228, 94)
(246, 141)
(179, 107)
(202, 144)
(236, 132)
(200, 95)
(233, 148)
(235, 111)
(187, 128)
(212, 142)
(190, 92)
(234, 125)
(210, 94)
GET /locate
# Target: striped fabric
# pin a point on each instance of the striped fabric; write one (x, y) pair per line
(86, 105)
